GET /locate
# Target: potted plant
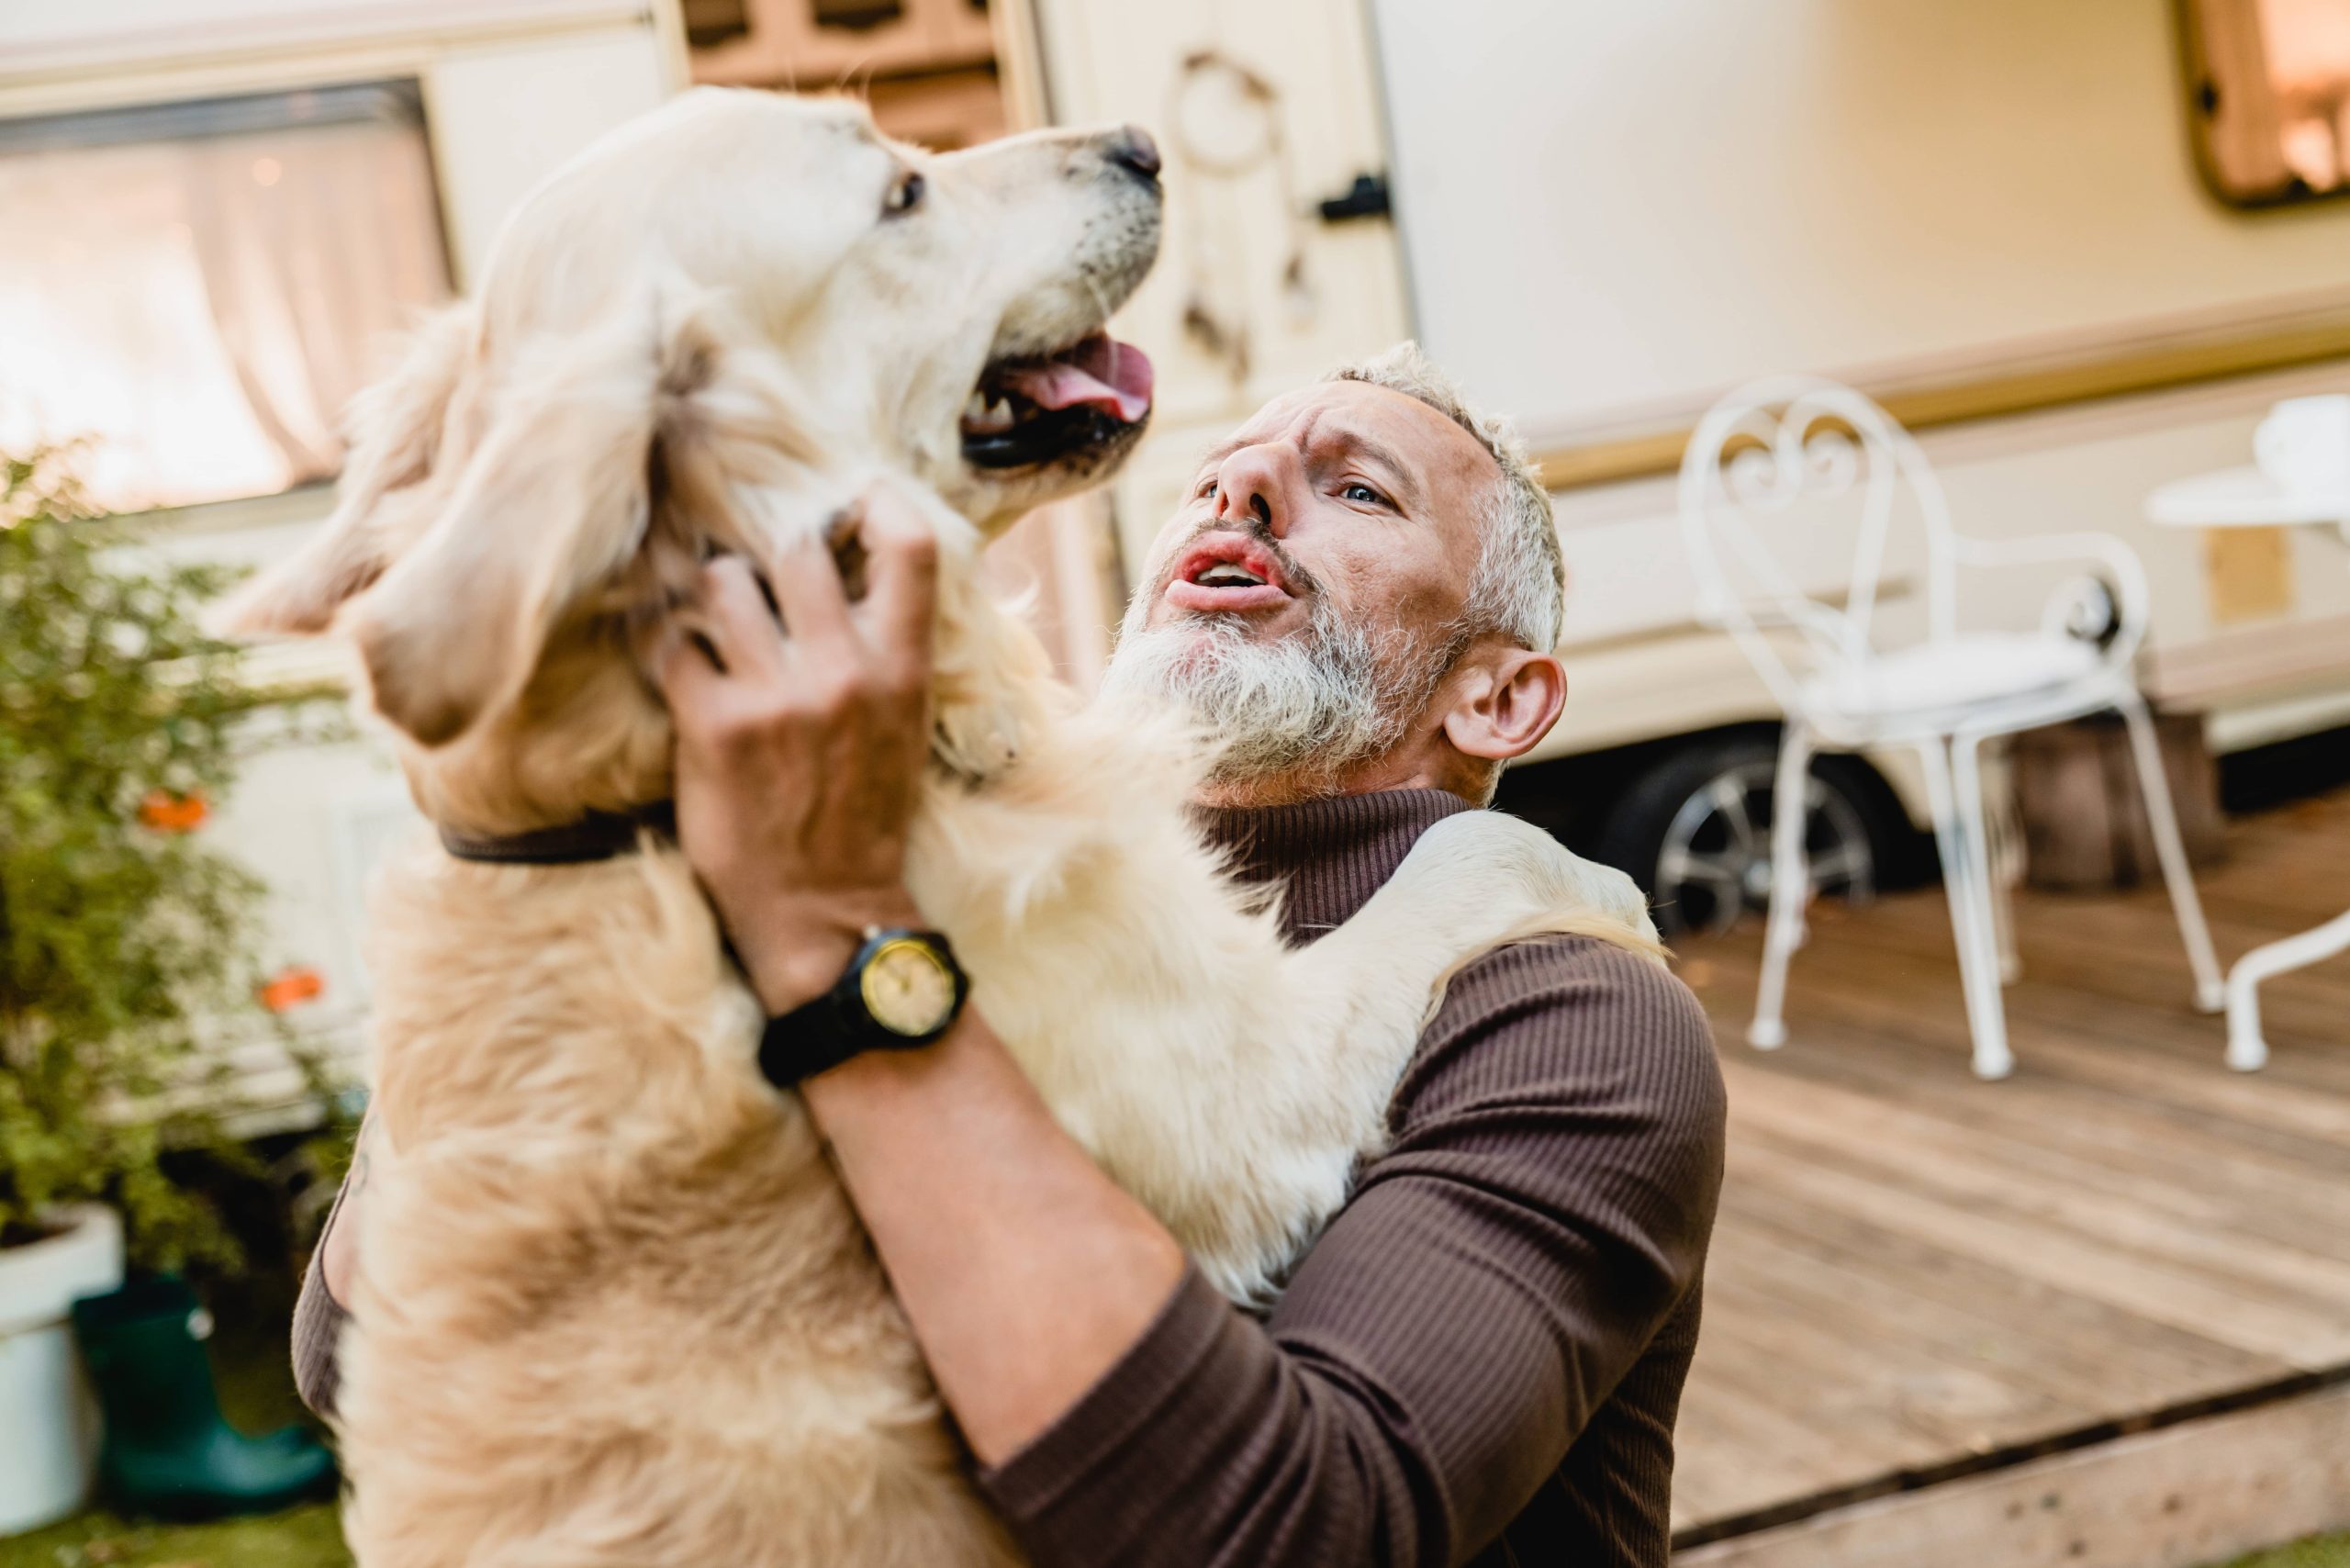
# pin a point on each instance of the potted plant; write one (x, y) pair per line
(123, 945)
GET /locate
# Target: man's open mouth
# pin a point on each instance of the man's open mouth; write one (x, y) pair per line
(1227, 571)
(1088, 398)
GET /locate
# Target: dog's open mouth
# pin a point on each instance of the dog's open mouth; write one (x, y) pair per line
(1086, 398)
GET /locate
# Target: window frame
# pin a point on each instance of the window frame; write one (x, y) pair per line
(2196, 99)
(399, 99)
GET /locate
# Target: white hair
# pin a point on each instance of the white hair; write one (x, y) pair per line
(1307, 707)
(1519, 588)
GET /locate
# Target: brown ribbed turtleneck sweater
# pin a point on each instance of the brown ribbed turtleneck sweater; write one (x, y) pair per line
(1479, 1360)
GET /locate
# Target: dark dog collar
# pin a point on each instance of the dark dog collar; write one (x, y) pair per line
(598, 836)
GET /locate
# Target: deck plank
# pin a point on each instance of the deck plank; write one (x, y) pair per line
(2233, 1187)
(2181, 1497)
(2015, 1178)
(1917, 1275)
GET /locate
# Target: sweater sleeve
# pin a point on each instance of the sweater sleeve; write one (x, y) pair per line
(1543, 1209)
(319, 1321)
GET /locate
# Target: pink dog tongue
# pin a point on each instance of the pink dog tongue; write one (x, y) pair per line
(1099, 373)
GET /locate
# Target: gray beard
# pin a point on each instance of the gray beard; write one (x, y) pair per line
(1309, 707)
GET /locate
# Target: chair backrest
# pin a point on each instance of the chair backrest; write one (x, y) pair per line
(1796, 464)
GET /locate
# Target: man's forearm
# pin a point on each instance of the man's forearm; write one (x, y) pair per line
(1026, 1272)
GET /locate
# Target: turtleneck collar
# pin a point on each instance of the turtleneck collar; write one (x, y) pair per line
(1333, 853)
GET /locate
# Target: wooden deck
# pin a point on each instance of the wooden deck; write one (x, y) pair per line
(1920, 1278)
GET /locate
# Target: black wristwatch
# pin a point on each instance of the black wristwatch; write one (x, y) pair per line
(902, 990)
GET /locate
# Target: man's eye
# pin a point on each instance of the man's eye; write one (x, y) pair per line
(1207, 489)
(905, 196)
(1358, 491)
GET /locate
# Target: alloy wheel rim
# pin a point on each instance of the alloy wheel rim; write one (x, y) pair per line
(1715, 864)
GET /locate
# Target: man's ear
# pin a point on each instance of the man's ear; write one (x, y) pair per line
(1504, 700)
(395, 434)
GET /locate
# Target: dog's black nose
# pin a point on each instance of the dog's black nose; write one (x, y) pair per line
(1130, 147)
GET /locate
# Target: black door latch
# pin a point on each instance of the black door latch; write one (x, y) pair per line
(1367, 197)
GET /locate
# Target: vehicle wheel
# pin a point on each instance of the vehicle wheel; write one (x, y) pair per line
(1693, 828)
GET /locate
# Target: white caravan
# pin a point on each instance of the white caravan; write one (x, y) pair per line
(2064, 241)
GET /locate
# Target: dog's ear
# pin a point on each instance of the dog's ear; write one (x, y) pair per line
(396, 433)
(557, 498)
(551, 501)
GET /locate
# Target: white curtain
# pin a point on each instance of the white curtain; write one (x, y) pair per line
(196, 312)
(315, 246)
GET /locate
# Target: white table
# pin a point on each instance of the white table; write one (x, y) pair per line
(2248, 498)
(2245, 497)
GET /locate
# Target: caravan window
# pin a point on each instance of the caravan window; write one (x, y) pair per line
(192, 291)
(2269, 82)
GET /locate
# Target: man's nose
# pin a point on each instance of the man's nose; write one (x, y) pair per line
(1250, 492)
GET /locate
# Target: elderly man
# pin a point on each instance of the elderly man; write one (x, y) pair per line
(1479, 1360)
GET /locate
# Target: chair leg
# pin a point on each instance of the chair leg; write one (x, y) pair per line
(1790, 884)
(1966, 870)
(2005, 874)
(2172, 852)
(2247, 1051)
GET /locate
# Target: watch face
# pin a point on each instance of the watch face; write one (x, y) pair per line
(908, 988)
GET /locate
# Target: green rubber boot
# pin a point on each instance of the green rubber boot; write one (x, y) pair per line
(167, 1450)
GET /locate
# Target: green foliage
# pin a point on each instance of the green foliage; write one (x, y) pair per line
(124, 942)
(309, 1537)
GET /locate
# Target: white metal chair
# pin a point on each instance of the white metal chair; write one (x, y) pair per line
(1800, 468)
(2247, 1046)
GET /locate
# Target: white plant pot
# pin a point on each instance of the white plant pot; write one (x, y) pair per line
(48, 1422)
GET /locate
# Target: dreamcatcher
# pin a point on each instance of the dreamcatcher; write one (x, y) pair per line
(1225, 123)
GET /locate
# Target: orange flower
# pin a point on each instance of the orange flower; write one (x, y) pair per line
(167, 812)
(291, 987)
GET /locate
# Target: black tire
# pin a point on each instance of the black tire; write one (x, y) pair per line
(1673, 826)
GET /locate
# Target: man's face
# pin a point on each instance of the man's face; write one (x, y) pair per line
(1344, 491)
(1305, 600)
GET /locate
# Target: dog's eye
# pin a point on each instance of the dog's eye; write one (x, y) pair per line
(905, 196)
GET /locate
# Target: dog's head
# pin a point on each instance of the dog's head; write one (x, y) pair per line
(716, 325)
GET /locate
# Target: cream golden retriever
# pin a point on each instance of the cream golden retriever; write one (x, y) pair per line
(612, 1307)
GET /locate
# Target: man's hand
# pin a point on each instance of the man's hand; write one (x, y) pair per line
(1024, 1270)
(800, 744)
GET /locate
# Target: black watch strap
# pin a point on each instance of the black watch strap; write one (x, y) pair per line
(822, 1033)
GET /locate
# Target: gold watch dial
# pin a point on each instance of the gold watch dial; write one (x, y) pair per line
(908, 988)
